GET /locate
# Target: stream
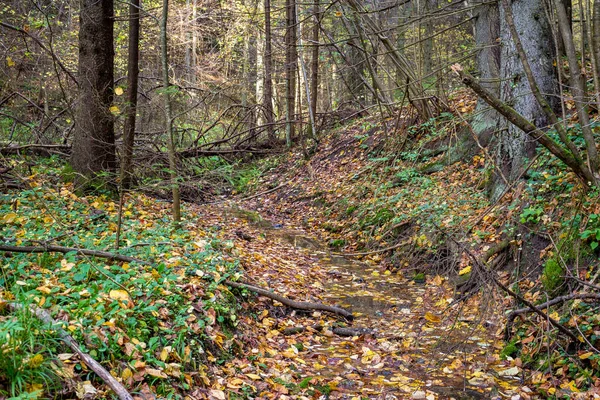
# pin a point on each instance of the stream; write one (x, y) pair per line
(417, 351)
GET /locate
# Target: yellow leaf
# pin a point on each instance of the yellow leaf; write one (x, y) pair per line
(66, 265)
(43, 289)
(164, 354)
(10, 62)
(156, 373)
(235, 383)
(432, 318)
(118, 294)
(114, 109)
(36, 361)
(217, 394)
(126, 374)
(465, 270)
(586, 355)
(119, 91)
(35, 390)
(9, 218)
(253, 377)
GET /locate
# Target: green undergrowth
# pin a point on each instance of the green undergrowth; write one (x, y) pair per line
(156, 322)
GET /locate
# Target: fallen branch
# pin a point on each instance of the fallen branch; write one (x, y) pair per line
(62, 249)
(86, 358)
(38, 148)
(558, 300)
(300, 305)
(345, 332)
(366, 253)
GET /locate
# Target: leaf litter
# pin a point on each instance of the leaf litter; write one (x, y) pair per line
(202, 339)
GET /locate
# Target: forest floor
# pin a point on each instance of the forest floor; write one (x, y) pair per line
(325, 230)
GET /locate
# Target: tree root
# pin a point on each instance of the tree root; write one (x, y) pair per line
(300, 305)
(345, 332)
(86, 358)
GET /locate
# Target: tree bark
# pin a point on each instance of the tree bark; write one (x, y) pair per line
(291, 66)
(596, 33)
(486, 28)
(94, 140)
(577, 86)
(169, 115)
(314, 75)
(133, 71)
(535, 35)
(268, 81)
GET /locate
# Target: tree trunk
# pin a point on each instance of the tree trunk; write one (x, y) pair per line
(132, 89)
(94, 141)
(596, 42)
(535, 35)
(427, 43)
(487, 31)
(314, 75)
(291, 65)
(577, 86)
(268, 81)
(169, 115)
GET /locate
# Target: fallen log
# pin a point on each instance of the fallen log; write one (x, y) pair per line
(62, 249)
(300, 305)
(40, 149)
(85, 357)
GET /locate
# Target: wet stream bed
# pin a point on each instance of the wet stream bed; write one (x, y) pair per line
(419, 348)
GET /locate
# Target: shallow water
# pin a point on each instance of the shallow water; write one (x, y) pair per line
(407, 353)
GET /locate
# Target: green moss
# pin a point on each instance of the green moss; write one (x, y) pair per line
(67, 174)
(553, 276)
(337, 243)
(509, 350)
(419, 278)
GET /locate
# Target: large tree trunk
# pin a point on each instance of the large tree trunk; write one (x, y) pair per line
(427, 43)
(534, 30)
(132, 89)
(268, 81)
(314, 73)
(291, 66)
(487, 31)
(578, 86)
(176, 206)
(94, 141)
(596, 42)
